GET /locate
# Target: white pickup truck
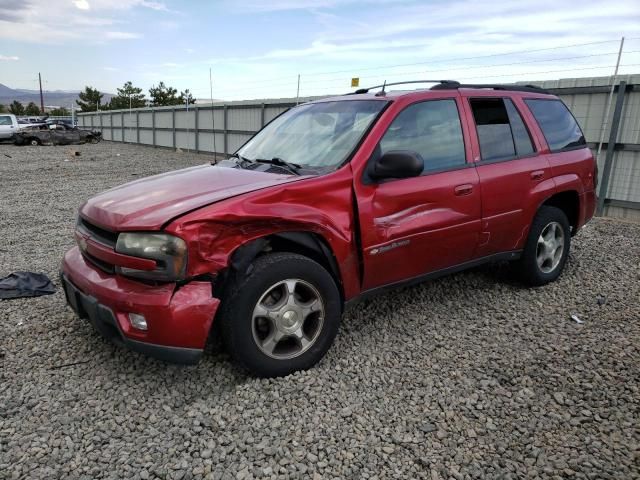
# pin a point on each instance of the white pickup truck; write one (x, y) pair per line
(8, 126)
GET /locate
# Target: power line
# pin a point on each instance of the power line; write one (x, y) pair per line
(449, 60)
(453, 69)
(518, 74)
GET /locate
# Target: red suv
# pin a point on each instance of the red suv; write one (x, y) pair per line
(330, 202)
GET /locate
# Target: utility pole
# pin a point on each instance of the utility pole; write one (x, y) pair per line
(41, 97)
(605, 120)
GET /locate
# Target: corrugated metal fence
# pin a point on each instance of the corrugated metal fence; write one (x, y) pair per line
(229, 125)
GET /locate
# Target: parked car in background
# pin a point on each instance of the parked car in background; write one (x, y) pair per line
(8, 126)
(56, 134)
(60, 121)
(331, 202)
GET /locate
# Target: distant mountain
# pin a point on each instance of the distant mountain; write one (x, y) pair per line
(58, 98)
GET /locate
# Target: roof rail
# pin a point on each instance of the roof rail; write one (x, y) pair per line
(494, 86)
(448, 83)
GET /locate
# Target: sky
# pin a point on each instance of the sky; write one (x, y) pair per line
(257, 49)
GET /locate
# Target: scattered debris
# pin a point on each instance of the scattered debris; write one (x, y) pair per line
(56, 367)
(576, 318)
(8, 156)
(74, 153)
(25, 284)
(601, 300)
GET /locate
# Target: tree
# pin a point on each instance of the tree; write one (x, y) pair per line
(16, 108)
(162, 95)
(128, 91)
(32, 109)
(3, 109)
(60, 112)
(186, 95)
(89, 99)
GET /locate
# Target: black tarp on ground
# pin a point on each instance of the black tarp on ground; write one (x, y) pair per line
(25, 284)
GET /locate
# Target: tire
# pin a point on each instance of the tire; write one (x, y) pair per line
(92, 140)
(257, 308)
(34, 142)
(547, 247)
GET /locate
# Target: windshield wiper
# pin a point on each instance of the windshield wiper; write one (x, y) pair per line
(292, 167)
(243, 161)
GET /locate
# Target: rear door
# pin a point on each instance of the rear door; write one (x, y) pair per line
(513, 175)
(413, 226)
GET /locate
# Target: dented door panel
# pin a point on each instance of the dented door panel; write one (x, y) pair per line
(414, 226)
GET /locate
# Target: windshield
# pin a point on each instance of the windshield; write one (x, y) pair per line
(317, 135)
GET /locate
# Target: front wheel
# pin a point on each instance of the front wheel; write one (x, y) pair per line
(282, 316)
(547, 247)
(34, 142)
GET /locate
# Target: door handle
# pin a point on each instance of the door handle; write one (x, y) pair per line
(465, 189)
(537, 174)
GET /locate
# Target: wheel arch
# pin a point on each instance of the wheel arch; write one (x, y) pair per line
(306, 243)
(569, 202)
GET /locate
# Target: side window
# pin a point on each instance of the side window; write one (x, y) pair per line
(558, 126)
(521, 137)
(501, 131)
(432, 129)
(5, 120)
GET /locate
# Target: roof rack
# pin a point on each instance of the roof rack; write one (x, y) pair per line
(454, 85)
(493, 86)
(385, 84)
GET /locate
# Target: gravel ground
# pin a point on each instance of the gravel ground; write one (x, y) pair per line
(470, 376)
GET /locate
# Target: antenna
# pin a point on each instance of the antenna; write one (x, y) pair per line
(382, 93)
(213, 121)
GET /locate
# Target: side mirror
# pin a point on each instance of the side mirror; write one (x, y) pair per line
(398, 164)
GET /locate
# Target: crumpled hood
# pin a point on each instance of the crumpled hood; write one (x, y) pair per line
(149, 203)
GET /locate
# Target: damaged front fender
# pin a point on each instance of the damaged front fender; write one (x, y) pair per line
(320, 206)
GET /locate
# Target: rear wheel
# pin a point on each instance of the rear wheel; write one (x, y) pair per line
(34, 142)
(282, 316)
(547, 247)
(93, 139)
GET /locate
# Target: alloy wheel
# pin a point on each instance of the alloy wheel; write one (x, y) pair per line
(288, 318)
(550, 247)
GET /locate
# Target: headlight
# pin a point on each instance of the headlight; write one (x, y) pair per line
(169, 252)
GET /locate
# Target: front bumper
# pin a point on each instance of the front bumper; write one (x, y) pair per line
(178, 318)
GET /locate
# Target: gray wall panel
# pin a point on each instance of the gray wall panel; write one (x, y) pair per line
(145, 119)
(163, 119)
(164, 139)
(186, 119)
(130, 135)
(185, 142)
(205, 140)
(204, 119)
(146, 137)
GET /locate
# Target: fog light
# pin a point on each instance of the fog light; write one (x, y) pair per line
(138, 321)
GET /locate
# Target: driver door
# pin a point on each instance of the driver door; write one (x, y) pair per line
(413, 226)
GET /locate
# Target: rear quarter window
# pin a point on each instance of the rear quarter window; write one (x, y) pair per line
(558, 125)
